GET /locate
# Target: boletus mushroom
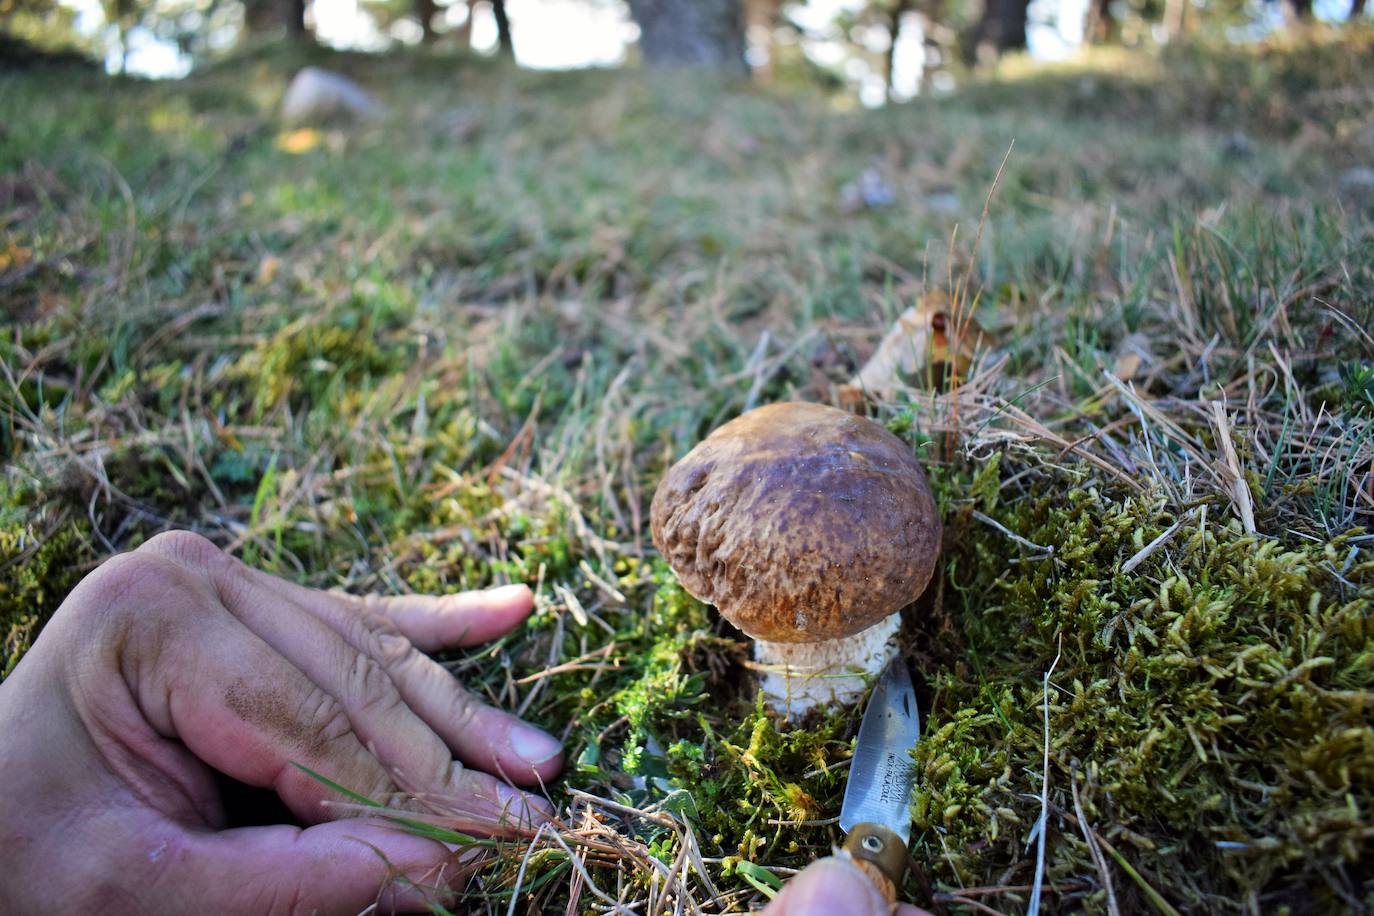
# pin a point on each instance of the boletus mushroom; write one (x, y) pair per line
(809, 528)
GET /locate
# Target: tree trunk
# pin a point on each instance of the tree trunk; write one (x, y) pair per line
(295, 20)
(259, 16)
(463, 34)
(894, 32)
(1100, 24)
(503, 37)
(270, 15)
(425, 11)
(1297, 12)
(1356, 9)
(941, 42)
(760, 22)
(1001, 28)
(1175, 19)
(691, 33)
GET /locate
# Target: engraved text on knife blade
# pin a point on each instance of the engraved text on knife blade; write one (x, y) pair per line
(882, 776)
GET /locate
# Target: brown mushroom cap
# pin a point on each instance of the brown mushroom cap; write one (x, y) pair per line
(800, 522)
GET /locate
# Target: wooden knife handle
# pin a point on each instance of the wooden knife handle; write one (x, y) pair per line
(881, 855)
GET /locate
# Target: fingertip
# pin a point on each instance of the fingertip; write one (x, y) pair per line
(533, 746)
(906, 909)
(533, 756)
(495, 802)
(461, 618)
(430, 890)
(549, 769)
(516, 596)
(481, 616)
(545, 771)
(524, 808)
(827, 886)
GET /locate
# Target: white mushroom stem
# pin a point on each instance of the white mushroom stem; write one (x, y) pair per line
(798, 676)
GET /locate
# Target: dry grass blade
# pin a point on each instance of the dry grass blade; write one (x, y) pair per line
(1149, 549)
(577, 664)
(1090, 836)
(1042, 825)
(1240, 489)
(1038, 548)
(976, 905)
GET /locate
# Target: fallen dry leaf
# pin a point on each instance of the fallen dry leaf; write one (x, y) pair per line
(924, 346)
(267, 269)
(15, 256)
(299, 141)
(1127, 365)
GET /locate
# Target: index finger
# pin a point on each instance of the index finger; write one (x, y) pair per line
(429, 621)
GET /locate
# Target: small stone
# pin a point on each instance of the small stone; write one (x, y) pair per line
(462, 124)
(869, 192)
(317, 96)
(874, 189)
(1237, 146)
(943, 202)
(1358, 183)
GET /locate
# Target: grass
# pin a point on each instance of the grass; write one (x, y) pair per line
(460, 346)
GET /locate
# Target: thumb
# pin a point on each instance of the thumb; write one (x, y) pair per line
(832, 886)
(343, 866)
(828, 887)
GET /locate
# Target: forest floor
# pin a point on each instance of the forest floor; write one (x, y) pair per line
(460, 345)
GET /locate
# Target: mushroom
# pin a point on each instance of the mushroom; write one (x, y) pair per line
(809, 528)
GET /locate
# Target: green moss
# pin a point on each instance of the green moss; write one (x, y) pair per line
(1211, 705)
(41, 558)
(1213, 702)
(308, 358)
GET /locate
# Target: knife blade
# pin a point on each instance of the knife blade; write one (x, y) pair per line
(876, 813)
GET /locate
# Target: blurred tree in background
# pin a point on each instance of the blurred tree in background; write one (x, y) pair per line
(1001, 28)
(41, 22)
(704, 33)
(886, 48)
(266, 16)
(446, 21)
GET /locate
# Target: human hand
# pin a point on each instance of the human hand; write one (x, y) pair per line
(175, 659)
(832, 887)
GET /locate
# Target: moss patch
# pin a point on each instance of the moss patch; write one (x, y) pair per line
(42, 557)
(1212, 704)
(1211, 707)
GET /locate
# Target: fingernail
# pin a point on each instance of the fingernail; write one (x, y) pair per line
(831, 886)
(519, 805)
(532, 745)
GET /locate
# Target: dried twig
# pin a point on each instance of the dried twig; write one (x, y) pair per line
(1240, 489)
